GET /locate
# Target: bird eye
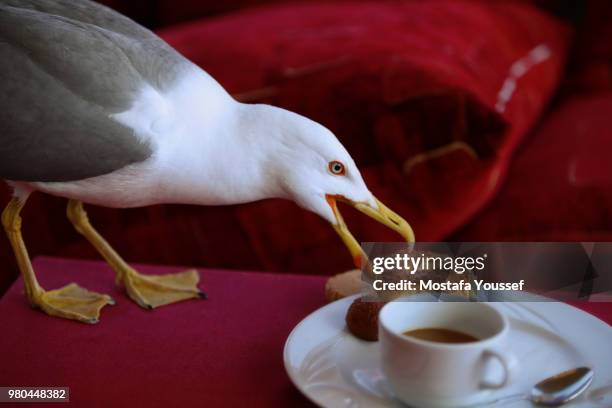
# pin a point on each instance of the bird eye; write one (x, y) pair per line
(337, 168)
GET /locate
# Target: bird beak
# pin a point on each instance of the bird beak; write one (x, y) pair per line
(382, 214)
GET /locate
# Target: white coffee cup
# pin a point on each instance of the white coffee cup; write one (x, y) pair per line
(425, 373)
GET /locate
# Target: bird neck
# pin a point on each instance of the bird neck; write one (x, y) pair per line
(218, 159)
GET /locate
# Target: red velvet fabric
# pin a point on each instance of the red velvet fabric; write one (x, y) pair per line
(393, 80)
(559, 187)
(222, 352)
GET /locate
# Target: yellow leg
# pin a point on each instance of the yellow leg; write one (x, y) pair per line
(149, 291)
(71, 301)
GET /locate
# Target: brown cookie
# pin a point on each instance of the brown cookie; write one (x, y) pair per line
(362, 318)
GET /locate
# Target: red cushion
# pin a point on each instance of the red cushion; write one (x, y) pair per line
(560, 185)
(393, 81)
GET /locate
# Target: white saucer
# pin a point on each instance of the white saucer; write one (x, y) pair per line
(335, 369)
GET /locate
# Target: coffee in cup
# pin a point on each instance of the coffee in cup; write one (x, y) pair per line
(435, 354)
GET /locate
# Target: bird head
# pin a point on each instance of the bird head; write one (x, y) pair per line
(315, 170)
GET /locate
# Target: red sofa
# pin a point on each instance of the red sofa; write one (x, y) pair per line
(475, 120)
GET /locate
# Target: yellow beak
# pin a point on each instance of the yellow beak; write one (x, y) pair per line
(382, 214)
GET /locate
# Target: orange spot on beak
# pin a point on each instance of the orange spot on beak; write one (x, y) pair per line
(341, 228)
(331, 200)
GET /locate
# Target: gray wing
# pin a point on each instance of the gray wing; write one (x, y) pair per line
(66, 66)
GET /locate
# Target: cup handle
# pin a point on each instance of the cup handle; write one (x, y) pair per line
(506, 363)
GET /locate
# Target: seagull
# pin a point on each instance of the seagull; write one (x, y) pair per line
(99, 110)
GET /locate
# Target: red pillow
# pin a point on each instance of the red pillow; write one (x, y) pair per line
(560, 186)
(430, 98)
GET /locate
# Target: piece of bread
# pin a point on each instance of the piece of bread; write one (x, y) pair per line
(343, 285)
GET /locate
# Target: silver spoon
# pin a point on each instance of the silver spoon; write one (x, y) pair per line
(552, 391)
